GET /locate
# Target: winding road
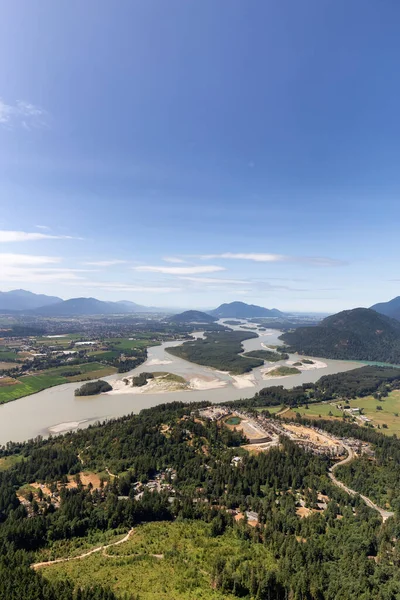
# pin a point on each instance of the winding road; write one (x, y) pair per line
(385, 514)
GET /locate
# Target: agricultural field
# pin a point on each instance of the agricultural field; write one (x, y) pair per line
(320, 410)
(271, 409)
(166, 560)
(122, 344)
(30, 384)
(388, 415)
(5, 366)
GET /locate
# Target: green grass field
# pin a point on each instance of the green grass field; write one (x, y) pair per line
(9, 461)
(390, 406)
(165, 561)
(271, 409)
(8, 355)
(30, 384)
(122, 344)
(315, 411)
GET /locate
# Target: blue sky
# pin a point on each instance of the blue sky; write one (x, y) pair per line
(185, 153)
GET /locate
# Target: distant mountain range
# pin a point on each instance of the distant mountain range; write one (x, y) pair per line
(390, 309)
(24, 300)
(241, 310)
(81, 307)
(40, 304)
(358, 334)
(192, 316)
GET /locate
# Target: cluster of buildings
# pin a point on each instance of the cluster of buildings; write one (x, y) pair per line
(263, 433)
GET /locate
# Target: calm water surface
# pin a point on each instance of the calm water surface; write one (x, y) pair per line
(42, 412)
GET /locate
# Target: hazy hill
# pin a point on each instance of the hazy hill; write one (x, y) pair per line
(390, 308)
(24, 300)
(241, 310)
(138, 308)
(192, 316)
(359, 334)
(82, 306)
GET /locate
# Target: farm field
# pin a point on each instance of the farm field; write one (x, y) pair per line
(165, 560)
(30, 384)
(390, 407)
(315, 411)
(122, 344)
(5, 366)
(271, 409)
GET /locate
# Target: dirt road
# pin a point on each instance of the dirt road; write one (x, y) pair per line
(85, 555)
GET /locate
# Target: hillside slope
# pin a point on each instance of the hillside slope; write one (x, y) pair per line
(390, 308)
(192, 316)
(82, 306)
(241, 310)
(359, 334)
(24, 300)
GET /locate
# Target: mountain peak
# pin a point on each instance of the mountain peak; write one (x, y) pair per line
(241, 310)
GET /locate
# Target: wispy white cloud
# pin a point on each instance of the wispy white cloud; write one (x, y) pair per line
(7, 259)
(245, 256)
(214, 280)
(22, 114)
(105, 263)
(178, 270)
(28, 268)
(319, 261)
(173, 259)
(44, 227)
(25, 236)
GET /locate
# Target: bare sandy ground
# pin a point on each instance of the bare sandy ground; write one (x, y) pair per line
(158, 385)
(318, 364)
(200, 383)
(157, 361)
(244, 381)
(62, 427)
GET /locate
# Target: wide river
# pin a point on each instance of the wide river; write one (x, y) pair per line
(57, 409)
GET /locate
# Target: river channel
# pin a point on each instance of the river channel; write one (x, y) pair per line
(56, 409)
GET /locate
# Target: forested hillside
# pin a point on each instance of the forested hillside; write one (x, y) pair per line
(190, 457)
(359, 334)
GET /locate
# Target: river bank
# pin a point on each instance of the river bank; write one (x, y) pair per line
(56, 410)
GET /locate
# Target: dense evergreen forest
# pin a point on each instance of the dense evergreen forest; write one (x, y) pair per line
(93, 388)
(350, 384)
(359, 334)
(268, 355)
(219, 350)
(312, 556)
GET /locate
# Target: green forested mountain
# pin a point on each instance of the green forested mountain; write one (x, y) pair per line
(359, 334)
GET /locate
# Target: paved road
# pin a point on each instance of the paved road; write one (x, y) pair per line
(86, 554)
(385, 514)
